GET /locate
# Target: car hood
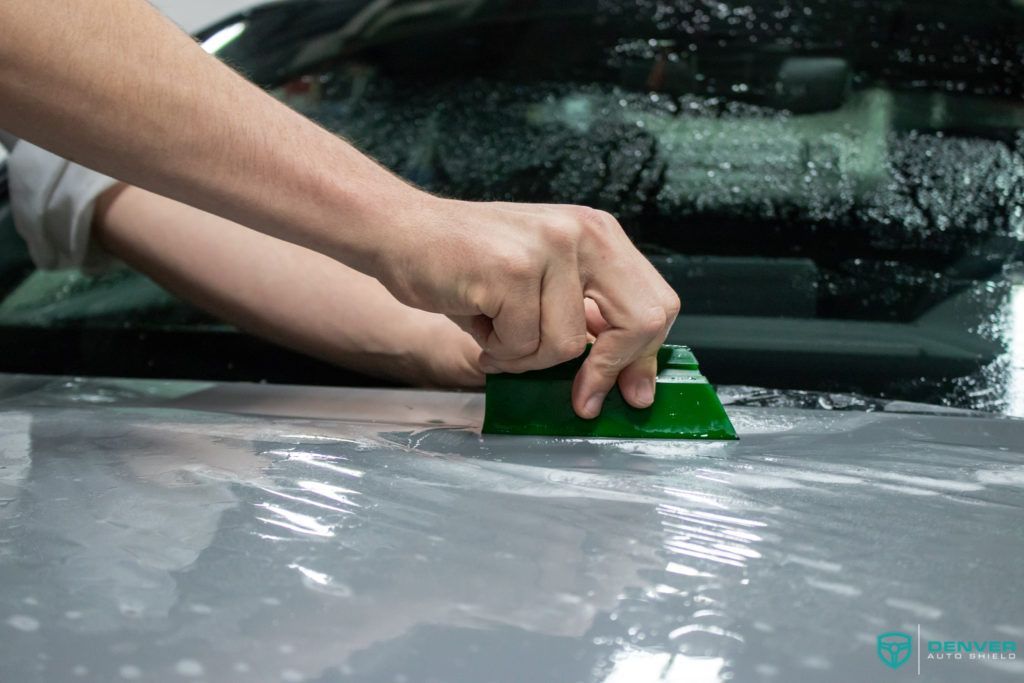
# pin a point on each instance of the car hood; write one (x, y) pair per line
(158, 530)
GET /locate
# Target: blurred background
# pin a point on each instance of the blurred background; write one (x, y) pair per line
(193, 15)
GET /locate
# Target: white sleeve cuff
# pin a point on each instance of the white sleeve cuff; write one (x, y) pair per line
(52, 200)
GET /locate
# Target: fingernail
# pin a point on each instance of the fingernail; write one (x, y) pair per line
(592, 408)
(645, 392)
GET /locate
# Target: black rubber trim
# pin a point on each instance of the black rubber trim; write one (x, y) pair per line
(166, 354)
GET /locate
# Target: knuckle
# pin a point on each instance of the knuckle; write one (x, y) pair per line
(506, 356)
(593, 219)
(476, 295)
(672, 306)
(654, 322)
(570, 348)
(607, 365)
(513, 350)
(519, 268)
(564, 235)
(527, 347)
(600, 231)
(524, 364)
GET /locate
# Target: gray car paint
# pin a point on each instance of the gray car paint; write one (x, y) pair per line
(194, 531)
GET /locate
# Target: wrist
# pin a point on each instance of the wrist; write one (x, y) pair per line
(399, 225)
(383, 219)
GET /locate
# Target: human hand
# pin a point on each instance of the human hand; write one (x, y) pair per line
(442, 355)
(516, 276)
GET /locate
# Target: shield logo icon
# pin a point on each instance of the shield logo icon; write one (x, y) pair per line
(894, 648)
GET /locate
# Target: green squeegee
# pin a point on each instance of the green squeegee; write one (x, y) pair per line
(540, 403)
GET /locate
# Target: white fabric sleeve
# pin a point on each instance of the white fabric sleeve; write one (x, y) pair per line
(52, 201)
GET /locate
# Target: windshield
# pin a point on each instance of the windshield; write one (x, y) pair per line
(836, 190)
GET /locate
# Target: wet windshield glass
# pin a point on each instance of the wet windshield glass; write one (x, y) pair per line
(836, 190)
(788, 160)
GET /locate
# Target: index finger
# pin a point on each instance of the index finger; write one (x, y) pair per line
(639, 308)
(628, 356)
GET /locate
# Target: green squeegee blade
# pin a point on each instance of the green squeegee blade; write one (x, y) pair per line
(540, 403)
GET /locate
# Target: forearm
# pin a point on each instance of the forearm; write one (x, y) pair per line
(115, 86)
(285, 293)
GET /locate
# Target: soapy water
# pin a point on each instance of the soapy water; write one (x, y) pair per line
(266, 534)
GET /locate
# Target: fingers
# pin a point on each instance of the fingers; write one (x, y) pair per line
(563, 326)
(637, 309)
(516, 325)
(596, 324)
(478, 326)
(637, 380)
(628, 356)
